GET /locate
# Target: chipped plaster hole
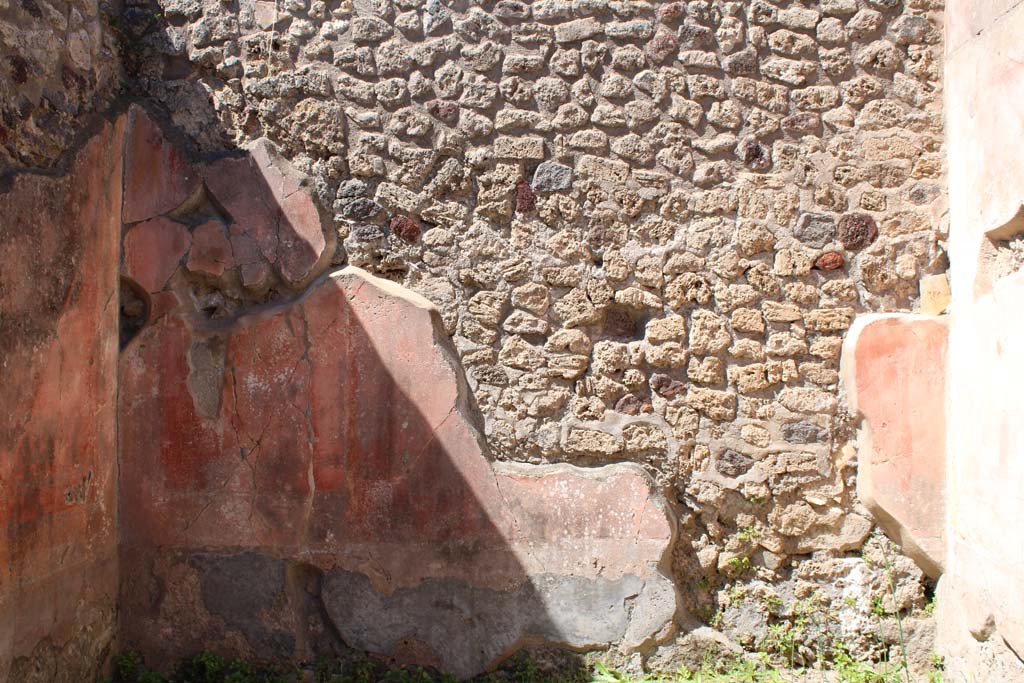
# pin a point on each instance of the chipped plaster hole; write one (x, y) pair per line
(1002, 253)
(134, 310)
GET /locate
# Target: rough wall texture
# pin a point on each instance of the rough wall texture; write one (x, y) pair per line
(647, 225)
(309, 476)
(981, 605)
(58, 358)
(336, 496)
(59, 62)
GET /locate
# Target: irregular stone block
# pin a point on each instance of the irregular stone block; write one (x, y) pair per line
(519, 148)
(575, 31)
(552, 176)
(830, 260)
(894, 368)
(608, 170)
(349, 452)
(935, 295)
(815, 229)
(856, 230)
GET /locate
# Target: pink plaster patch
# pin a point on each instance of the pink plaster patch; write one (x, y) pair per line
(158, 177)
(895, 369)
(153, 250)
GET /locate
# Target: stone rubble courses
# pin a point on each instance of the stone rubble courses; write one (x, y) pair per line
(559, 288)
(607, 201)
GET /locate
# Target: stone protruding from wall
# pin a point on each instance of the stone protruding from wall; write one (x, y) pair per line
(58, 364)
(334, 438)
(238, 224)
(981, 596)
(894, 369)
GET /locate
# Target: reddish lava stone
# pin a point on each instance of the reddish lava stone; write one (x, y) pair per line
(446, 111)
(830, 260)
(405, 228)
(666, 386)
(526, 198)
(662, 46)
(856, 230)
(673, 11)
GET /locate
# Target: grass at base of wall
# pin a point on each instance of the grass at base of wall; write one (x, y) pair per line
(209, 668)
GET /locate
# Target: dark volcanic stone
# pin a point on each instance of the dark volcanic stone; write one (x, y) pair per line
(857, 230)
(350, 189)
(815, 229)
(754, 155)
(922, 194)
(490, 375)
(694, 37)
(552, 176)
(803, 432)
(366, 233)
(732, 464)
(19, 68)
(629, 404)
(32, 7)
(665, 386)
(361, 209)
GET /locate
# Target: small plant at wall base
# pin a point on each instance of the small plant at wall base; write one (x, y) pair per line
(739, 565)
(203, 668)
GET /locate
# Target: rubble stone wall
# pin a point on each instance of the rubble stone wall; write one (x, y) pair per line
(58, 63)
(299, 479)
(647, 225)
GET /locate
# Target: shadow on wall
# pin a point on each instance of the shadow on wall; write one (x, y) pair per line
(302, 477)
(58, 369)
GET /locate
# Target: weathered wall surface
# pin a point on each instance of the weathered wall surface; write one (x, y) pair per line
(646, 225)
(894, 369)
(58, 62)
(303, 482)
(304, 477)
(58, 357)
(981, 604)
